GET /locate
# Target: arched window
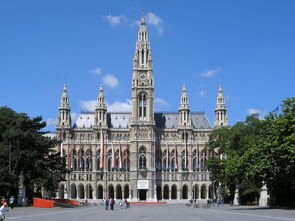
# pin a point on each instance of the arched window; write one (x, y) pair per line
(117, 160)
(74, 159)
(173, 160)
(184, 161)
(88, 160)
(81, 159)
(158, 160)
(142, 105)
(142, 158)
(109, 160)
(203, 160)
(98, 160)
(195, 160)
(165, 161)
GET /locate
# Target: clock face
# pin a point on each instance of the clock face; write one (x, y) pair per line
(142, 77)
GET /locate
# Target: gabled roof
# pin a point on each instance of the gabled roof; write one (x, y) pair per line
(163, 120)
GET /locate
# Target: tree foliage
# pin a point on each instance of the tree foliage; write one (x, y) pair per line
(31, 152)
(258, 151)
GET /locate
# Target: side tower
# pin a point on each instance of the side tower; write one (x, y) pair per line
(185, 129)
(100, 119)
(142, 149)
(220, 110)
(63, 125)
(64, 115)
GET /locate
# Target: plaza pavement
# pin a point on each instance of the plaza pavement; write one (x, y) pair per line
(177, 212)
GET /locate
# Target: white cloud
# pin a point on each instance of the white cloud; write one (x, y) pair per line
(202, 93)
(210, 73)
(51, 121)
(116, 20)
(118, 106)
(88, 105)
(253, 111)
(96, 71)
(110, 80)
(160, 104)
(153, 19)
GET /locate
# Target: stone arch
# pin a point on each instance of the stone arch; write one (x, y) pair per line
(196, 191)
(61, 191)
(126, 191)
(159, 192)
(81, 191)
(118, 192)
(166, 192)
(99, 192)
(73, 191)
(203, 191)
(174, 192)
(111, 191)
(184, 192)
(89, 191)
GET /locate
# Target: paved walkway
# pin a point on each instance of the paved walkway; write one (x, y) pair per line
(177, 212)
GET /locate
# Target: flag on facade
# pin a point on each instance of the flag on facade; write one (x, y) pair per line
(167, 157)
(176, 161)
(113, 157)
(120, 158)
(101, 150)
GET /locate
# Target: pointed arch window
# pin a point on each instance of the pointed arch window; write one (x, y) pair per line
(142, 158)
(142, 105)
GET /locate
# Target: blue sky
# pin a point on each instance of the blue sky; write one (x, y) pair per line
(246, 46)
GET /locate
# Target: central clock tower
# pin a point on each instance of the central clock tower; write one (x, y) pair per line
(142, 140)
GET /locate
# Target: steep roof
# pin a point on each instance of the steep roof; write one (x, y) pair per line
(163, 120)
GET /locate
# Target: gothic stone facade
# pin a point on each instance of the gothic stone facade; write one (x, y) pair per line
(140, 155)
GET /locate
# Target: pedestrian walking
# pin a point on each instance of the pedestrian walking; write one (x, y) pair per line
(106, 204)
(11, 202)
(3, 211)
(121, 203)
(112, 203)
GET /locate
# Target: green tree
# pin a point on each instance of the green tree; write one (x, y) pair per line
(272, 160)
(31, 152)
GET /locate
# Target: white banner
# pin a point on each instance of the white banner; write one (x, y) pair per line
(142, 184)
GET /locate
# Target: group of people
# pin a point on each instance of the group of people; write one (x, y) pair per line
(3, 207)
(109, 204)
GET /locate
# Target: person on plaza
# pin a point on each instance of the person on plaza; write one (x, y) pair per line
(121, 203)
(112, 203)
(11, 202)
(3, 211)
(106, 204)
(3, 200)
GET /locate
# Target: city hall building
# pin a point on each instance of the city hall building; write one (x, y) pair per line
(142, 155)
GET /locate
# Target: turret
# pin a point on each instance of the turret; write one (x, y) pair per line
(220, 110)
(100, 110)
(64, 116)
(184, 110)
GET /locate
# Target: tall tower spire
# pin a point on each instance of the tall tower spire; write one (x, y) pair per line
(220, 110)
(142, 78)
(64, 116)
(184, 110)
(100, 110)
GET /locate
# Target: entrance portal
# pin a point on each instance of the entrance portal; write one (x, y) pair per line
(142, 195)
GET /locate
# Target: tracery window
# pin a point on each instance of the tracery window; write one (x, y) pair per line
(142, 158)
(142, 105)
